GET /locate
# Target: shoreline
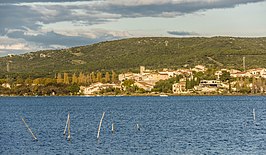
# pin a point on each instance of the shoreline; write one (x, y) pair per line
(133, 95)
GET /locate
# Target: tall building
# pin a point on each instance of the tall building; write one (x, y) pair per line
(142, 69)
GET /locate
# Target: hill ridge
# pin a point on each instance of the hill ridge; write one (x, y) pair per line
(129, 54)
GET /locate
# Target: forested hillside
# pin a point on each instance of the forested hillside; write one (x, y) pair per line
(129, 54)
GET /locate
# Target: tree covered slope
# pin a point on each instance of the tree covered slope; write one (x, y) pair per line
(129, 54)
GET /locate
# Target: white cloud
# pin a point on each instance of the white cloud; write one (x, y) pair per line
(138, 2)
(12, 44)
(18, 46)
(30, 21)
(170, 14)
(53, 40)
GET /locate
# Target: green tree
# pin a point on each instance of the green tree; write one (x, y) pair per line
(37, 81)
(59, 78)
(2, 81)
(245, 89)
(107, 77)
(99, 77)
(74, 79)
(163, 86)
(66, 79)
(209, 74)
(88, 79)
(19, 80)
(166, 85)
(93, 78)
(225, 76)
(114, 77)
(81, 78)
(74, 89)
(49, 81)
(128, 83)
(28, 81)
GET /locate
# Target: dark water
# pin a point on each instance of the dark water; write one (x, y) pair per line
(168, 125)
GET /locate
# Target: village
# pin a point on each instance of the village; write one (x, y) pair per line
(198, 80)
(224, 81)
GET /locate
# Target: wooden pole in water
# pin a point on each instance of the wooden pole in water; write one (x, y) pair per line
(254, 115)
(113, 128)
(69, 136)
(66, 125)
(34, 137)
(138, 128)
(99, 128)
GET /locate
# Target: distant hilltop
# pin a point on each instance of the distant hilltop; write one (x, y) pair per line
(129, 54)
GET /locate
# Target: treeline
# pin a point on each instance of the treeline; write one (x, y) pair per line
(250, 85)
(86, 79)
(61, 84)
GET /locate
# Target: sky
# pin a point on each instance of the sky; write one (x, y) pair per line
(33, 25)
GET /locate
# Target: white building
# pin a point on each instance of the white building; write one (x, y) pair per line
(128, 76)
(168, 73)
(148, 76)
(258, 72)
(179, 88)
(6, 85)
(97, 87)
(199, 68)
(208, 86)
(241, 74)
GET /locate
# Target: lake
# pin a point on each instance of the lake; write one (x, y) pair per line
(167, 125)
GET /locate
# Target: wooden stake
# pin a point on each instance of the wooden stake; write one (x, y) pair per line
(99, 128)
(138, 128)
(34, 137)
(69, 137)
(113, 128)
(66, 125)
(254, 115)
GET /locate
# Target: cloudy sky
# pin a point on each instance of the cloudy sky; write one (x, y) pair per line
(32, 25)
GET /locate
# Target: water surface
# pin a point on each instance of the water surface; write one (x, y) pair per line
(168, 125)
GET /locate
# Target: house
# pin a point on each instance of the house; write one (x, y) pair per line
(208, 86)
(97, 87)
(127, 76)
(186, 72)
(220, 72)
(179, 88)
(241, 74)
(6, 85)
(168, 73)
(152, 78)
(147, 76)
(258, 72)
(209, 83)
(233, 71)
(144, 85)
(144, 71)
(199, 68)
(263, 75)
